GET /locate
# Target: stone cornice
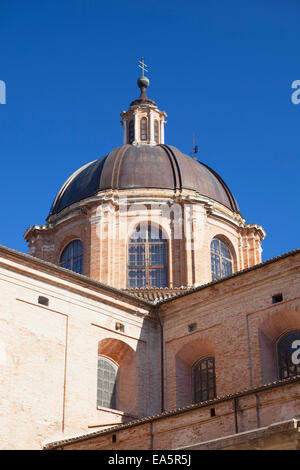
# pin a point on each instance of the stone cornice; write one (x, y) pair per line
(142, 196)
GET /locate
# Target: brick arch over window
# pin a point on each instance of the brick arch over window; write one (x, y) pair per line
(147, 257)
(72, 255)
(131, 135)
(186, 358)
(204, 379)
(156, 131)
(222, 257)
(270, 330)
(285, 349)
(125, 359)
(144, 129)
(107, 385)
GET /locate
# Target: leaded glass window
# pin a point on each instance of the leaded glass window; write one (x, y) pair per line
(204, 380)
(285, 355)
(221, 261)
(144, 133)
(72, 257)
(156, 134)
(107, 383)
(147, 257)
(131, 132)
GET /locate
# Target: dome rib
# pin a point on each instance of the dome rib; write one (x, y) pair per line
(81, 184)
(176, 171)
(117, 168)
(226, 188)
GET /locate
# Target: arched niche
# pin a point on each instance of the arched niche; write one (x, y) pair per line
(230, 247)
(270, 330)
(188, 355)
(127, 377)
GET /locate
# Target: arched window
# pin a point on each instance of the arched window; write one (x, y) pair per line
(286, 362)
(72, 257)
(204, 380)
(156, 134)
(147, 257)
(144, 133)
(221, 261)
(107, 383)
(131, 132)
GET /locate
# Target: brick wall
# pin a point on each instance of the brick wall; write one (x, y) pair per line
(237, 323)
(48, 354)
(187, 429)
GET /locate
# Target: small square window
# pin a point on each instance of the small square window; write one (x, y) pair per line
(277, 298)
(43, 301)
(212, 412)
(114, 438)
(119, 327)
(192, 327)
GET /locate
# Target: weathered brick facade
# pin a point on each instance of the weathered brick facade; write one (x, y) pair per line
(49, 356)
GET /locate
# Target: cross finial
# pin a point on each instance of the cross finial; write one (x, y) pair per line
(143, 66)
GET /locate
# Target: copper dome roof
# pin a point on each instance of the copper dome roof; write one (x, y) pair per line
(130, 166)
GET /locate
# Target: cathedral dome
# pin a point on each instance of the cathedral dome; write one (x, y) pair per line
(99, 223)
(143, 166)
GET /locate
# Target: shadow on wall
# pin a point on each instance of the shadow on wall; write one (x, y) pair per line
(129, 379)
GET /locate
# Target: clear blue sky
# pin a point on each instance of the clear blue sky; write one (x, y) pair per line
(222, 70)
